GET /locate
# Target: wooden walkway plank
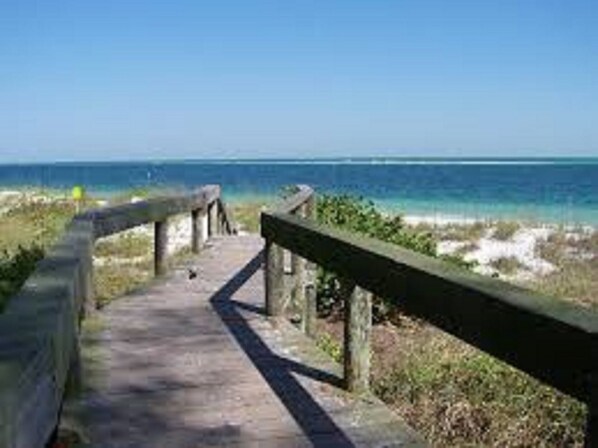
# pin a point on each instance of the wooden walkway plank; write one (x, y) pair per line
(192, 363)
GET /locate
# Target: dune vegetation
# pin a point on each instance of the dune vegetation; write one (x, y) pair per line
(450, 392)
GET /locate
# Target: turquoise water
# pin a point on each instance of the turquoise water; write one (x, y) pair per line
(563, 190)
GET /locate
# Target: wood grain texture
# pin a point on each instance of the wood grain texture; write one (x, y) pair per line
(193, 363)
(553, 340)
(160, 246)
(39, 327)
(358, 325)
(274, 279)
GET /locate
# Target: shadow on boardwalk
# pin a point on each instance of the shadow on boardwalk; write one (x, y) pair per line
(316, 424)
(196, 363)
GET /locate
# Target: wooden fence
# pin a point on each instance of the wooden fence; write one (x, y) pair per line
(552, 340)
(39, 347)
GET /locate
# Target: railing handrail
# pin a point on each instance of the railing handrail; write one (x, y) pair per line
(40, 324)
(115, 219)
(292, 203)
(229, 224)
(511, 323)
(553, 340)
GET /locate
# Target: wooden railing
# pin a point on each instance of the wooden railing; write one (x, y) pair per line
(39, 346)
(552, 340)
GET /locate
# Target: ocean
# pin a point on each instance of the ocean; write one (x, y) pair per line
(556, 190)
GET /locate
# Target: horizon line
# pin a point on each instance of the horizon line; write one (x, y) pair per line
(335, 159)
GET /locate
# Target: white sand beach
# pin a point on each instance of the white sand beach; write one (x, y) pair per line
(487, 250)
(481, 246)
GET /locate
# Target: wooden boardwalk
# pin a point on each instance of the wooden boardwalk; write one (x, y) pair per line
(194, 362)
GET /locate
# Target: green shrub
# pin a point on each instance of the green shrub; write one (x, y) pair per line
(330, 346)
(15, 268)
(360, 216)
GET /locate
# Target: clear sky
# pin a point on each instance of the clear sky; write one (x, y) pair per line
(98, 80)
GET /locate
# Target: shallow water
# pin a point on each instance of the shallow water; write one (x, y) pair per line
(556, 190)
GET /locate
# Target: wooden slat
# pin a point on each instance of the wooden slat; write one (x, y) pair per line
(108, 221)
(550, 339)
(294, 202)
(229, 224)
(197, 364)
(38, 329)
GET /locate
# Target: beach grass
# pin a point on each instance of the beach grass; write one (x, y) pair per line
(247, 215)
(115, 280)
(463, 232)
(505, 230)
(453, 394)
(34, 223)
(26, 231)
(506, 265)
(126, 245)
(456, 395)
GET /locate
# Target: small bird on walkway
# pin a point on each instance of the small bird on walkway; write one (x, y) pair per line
(192, 273)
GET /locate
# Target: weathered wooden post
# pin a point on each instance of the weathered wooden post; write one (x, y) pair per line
(297, 281)
(213, 219)
(310, 312)
(221, 220)
(84, 241)
(310, 306)
(358, 324)
(274, 279)
(160, 246)
(197, 231)
(210, 223)
(298, 275)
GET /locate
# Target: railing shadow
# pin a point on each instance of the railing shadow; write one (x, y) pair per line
(314, 421)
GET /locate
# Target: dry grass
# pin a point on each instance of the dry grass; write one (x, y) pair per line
(576, 258)
(454, 395)
(26, 231)
(504, 230)
(507, 265)
(247, 215)
(467, 248)
(462, 232)
(451, 393)
(457, 396)
(34, 223)
(113, 281)
(126, 245)
(134, 266)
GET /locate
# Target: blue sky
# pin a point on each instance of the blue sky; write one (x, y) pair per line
(82, 80)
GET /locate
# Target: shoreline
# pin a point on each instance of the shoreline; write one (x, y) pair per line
(474, 238)
(413, 207)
